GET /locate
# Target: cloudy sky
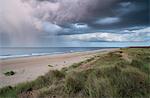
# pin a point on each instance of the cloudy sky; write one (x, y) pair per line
(74, 23)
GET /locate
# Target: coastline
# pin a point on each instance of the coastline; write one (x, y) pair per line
(21, 52)
(29, 68)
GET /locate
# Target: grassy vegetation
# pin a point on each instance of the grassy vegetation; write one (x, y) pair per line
(9, 73)
(121, 74)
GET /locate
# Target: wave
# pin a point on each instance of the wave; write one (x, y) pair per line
(9, 53)
(27, 55)
(13, 56)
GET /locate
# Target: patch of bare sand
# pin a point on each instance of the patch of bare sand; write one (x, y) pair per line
(29, 68)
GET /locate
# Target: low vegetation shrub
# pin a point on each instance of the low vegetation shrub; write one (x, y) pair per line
(74, 82)
(143, 66)
(122, 64)
(131, 84)
(109, 77)
(97, 87)
(50, 78)
(8, 92)
(75, 65)
(90, 59)
(50, 66)
(65, 69)
(9, 73)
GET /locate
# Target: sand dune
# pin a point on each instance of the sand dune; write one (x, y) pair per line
(29, 68)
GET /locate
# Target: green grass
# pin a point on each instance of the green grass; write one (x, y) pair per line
(111, 76)
(75, 65)
(74, 82)
(50, 78)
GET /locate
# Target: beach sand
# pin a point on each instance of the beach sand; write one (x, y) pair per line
(29, 68)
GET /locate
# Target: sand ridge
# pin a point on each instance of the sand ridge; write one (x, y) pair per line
(29, 68)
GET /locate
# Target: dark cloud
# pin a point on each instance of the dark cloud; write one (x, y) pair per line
(22, 20)
(138, 13)
(119, 15)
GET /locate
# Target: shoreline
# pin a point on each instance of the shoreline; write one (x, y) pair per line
(29, 68)
(7, 57)
(12, 57)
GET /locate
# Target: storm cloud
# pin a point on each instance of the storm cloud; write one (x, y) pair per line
(29, 22)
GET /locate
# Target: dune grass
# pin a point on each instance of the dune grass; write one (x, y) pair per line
(110, 76)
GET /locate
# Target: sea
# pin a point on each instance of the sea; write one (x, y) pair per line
(17, 52)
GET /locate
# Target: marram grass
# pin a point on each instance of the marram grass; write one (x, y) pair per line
(121, 74)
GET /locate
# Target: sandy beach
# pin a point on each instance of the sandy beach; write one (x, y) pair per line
(29, 68)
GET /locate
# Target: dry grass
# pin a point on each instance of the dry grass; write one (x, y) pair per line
(110, 76)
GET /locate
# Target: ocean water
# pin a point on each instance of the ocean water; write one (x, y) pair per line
(15, 52)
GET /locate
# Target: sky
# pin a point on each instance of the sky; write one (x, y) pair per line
(74, 23)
